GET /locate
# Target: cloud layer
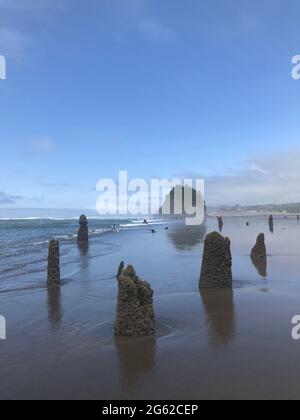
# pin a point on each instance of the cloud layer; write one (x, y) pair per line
(13, 43)
(261, 180)
(8, 199)
(15, 16)
(153, 30)
(38, 147)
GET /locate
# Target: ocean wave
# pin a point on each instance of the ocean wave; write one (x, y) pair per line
(100, 230)
(46, 241)
(142, 223)
(52, 218)
(40, 243)
(7, 219)
(17, 219)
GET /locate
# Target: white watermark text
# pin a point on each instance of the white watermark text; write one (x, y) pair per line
(163, 197)
(2, 67)
(2, 328)
(296, 67)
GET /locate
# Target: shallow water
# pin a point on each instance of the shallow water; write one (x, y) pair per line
(213, 344)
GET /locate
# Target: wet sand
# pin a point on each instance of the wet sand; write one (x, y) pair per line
(209, 344)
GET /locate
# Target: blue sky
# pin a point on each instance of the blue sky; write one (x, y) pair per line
(160, 88)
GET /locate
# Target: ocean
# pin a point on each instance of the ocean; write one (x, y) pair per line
(24, 245)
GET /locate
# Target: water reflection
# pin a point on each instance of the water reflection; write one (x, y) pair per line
(220, 224)
(186, 237)
(260, 263)
(136, 361)
(220, 313)
(54, 305)
(271, 224)
(83, 251)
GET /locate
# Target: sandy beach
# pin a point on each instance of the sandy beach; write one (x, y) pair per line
(209, 344)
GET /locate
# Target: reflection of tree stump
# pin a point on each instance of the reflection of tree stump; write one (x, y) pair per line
(83, 248)
(271, 223)
(54, 306)
(220, 223)
(135, 315)
(186, 237)
(53, 263)
(259, 255)
(136, 359)
(216, 271)
(219, 309)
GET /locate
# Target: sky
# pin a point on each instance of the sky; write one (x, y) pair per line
(158, 88)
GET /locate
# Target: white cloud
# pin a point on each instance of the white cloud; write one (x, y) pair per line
(13, 43)
(15, 15)
(262, 180)
(155, 31)
(43, 145)
(8, 198)
(127, 7)
(28, 5)
(54, 184)
(39, 146)
(137, 18)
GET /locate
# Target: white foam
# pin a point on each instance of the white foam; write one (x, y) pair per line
(40, 243)
(139, 224)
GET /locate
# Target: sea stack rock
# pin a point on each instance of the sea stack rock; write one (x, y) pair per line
(135, 315)
(259, 255)
(83, 233)
(220, 223)
(120, 269)
(216, 272)
(271, 223)
(53, 264)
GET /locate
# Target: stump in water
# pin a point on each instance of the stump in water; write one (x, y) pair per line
(53, 264)
(216, 272)
(135, 315)
(83, 233)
